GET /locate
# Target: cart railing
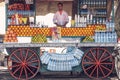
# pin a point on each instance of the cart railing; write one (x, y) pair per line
(5, 45)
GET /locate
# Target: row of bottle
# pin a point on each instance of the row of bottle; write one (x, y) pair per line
(80, 21)
(94, 3)
(83, 21)
(98, 20)
(96, 13)
(105, 37)
(21, 1)
(21, 12)
(110, 26)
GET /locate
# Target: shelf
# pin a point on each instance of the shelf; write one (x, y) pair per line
(101, 16)
(19, 25)
(23, 13)
(96, 7)
(23, 16)
(102, 31)
(6, 45)
(95, 16)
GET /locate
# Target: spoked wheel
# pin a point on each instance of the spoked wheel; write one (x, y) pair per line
(117, 66)
(23, 64)
(98, 63)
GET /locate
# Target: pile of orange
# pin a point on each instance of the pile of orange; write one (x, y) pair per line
(32, 31)
(87, 31)
(10, 36)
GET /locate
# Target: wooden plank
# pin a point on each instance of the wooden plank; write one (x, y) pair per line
(13, 45)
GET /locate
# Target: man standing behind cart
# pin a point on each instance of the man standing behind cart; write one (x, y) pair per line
(61, 17)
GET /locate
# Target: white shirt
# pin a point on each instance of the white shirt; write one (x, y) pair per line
(60, 19)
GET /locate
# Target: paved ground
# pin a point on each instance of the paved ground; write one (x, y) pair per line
(4, 75)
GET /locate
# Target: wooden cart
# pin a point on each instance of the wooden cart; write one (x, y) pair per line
(24, 58)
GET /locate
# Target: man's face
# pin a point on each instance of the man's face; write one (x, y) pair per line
(60, 7)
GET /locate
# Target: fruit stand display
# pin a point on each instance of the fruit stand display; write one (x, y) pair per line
(92, 54)
(88, 49)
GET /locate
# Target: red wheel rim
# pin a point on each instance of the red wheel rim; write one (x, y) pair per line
(97, 63)
(25, 64)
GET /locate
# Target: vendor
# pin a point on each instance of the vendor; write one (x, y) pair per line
(61, 17)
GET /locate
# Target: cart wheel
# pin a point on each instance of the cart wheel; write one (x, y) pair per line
(23, 64)
(98, 63)
(117, 66)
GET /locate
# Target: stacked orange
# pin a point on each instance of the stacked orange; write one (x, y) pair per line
(10, 36)
(88, 31)
(32, 31)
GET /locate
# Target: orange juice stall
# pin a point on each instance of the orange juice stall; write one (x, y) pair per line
(86, 45)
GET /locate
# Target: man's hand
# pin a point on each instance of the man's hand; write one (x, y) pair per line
(57, 24)
(65, 24)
